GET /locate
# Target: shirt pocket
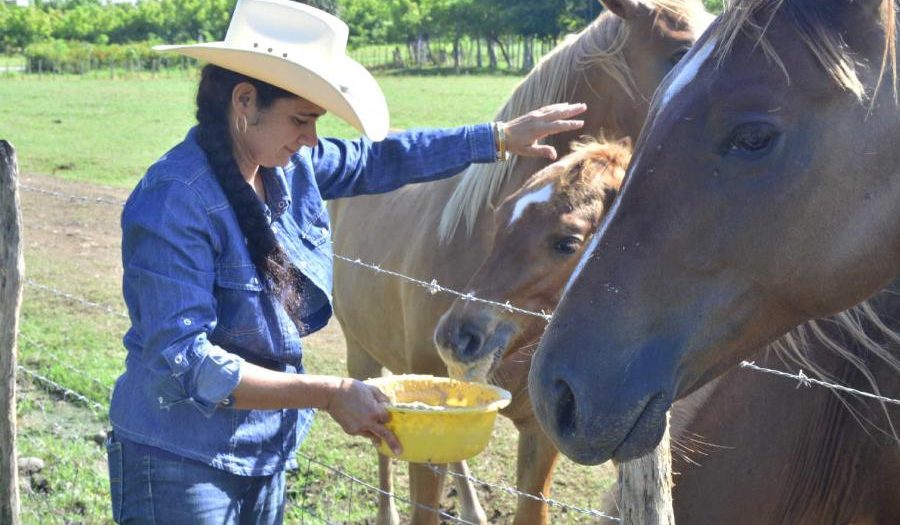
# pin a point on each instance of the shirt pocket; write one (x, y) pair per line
(239, 308)
(315, 227)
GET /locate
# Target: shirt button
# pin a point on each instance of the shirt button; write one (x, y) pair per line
(160, 399)
(186, 321)
(226, 401)
(179, 359)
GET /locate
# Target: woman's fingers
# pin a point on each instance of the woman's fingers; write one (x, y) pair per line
(524, 132)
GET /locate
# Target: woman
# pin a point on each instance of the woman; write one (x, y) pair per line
(227, 265)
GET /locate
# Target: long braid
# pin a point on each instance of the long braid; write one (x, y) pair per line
(213, 104)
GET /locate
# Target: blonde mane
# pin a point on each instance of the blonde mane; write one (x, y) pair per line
(752, 18)
(861, 324)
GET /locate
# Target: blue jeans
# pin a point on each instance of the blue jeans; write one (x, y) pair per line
(152, 486)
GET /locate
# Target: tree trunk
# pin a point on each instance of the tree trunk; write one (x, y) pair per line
(457, 51)
(505, 54)
(12, 266)
(528, 54)
(478, 62)
(492, 54)
(645, 487)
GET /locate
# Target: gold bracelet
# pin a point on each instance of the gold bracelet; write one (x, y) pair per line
(500, 136)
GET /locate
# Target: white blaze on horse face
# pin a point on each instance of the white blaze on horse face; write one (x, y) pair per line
(535, 197)
(689, 71)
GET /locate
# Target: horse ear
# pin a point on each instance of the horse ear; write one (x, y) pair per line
(624, 9)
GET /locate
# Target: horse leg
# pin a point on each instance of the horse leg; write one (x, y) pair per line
(425, 488)
(470, 508)
(360, 365)
(534, 474)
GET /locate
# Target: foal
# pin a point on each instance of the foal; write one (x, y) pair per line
(541, 232)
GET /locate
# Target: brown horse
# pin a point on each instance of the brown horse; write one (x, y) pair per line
(614, 66)
(762, 193)
(749, 448)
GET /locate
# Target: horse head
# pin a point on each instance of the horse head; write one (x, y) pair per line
(541, 230)
(763, 192)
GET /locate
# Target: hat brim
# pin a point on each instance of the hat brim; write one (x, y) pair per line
(346, 89)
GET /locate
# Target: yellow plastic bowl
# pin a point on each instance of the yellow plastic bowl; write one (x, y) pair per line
(438, 419)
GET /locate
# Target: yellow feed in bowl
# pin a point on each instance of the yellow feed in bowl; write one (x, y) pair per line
(438, 419)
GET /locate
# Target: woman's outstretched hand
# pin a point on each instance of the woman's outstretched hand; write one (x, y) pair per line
(360, 410)
(523, 133)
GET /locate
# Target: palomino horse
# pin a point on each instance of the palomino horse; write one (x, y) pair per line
(748, 448)
(614, 66)
(762, 193)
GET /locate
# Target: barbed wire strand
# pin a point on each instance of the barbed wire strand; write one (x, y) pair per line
(383, 492)
(514, 492)
(805, 380)
(433, 286)
(88, 200)
(43, 347)
(74, 298)
(65, 392)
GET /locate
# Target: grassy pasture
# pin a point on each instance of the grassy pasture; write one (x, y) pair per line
(95, 137)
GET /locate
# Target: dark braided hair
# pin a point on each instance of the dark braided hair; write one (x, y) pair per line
(213, 134)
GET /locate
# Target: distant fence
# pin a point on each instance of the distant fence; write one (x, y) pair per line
(513, 54)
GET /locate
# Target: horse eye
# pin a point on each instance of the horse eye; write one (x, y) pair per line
(753, 138)
(567, 245)
(678, 55)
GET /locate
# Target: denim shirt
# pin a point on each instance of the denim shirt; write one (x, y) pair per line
(199, 309)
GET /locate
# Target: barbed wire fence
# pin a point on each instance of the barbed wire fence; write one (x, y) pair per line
(431, 286)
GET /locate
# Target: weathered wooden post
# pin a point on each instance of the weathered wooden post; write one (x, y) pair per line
(12, 266)
(645, 487)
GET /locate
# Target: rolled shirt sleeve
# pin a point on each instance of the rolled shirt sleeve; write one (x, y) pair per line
(168, 259)
(356, 167)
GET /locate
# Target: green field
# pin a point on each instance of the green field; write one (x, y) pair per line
(95, 137)
(108, 131)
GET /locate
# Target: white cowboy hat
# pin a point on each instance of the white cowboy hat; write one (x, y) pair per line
(300, 49)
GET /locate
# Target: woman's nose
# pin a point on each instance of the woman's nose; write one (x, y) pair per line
(308, 138)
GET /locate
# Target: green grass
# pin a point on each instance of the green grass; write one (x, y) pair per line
(109, 131)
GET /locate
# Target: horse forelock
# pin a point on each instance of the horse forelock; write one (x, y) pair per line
(861, 325)
(753, 17)
(552, 81)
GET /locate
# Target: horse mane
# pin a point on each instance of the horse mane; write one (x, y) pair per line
(860, 324)
(752, 18)
(579, 168)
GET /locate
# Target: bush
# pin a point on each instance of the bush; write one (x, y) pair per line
(63, 56)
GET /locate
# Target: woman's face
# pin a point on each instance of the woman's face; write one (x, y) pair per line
(275, 133)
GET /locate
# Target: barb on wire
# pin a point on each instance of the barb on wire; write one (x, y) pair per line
(805, 380)
(91, 200)
(80, 300)
(514, 492)
(66, 393)
(70, 368)
(373, 488)
(434, 288)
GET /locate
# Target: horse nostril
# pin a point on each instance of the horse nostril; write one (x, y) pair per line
(469, 340)
(565, 409)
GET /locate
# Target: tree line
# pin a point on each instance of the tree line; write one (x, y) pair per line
(410, 23)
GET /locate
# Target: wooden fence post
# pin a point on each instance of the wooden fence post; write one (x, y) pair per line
(645, 487)
(12, 266)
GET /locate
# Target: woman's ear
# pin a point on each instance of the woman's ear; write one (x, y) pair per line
(243, 99)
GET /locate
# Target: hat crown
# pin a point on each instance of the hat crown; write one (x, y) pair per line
(287, 27)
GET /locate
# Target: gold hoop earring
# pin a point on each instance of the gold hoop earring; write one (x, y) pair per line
(240, 124)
